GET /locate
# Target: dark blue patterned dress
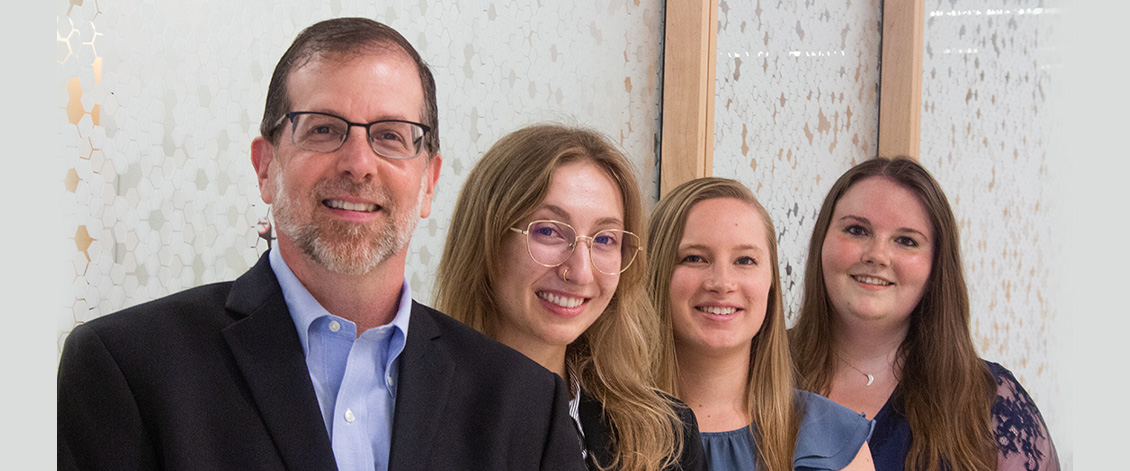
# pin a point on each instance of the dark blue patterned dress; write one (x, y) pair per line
(1022, 436)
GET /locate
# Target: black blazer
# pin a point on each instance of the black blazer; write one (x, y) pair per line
(598, 436)
(215, 378)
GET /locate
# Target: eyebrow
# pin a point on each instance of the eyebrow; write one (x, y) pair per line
(899, 230)
(564, 216)
(744, 247)
(384, 117)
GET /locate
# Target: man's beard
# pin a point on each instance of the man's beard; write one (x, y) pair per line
(345, 247)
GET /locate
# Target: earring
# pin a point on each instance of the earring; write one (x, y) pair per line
(565, 274)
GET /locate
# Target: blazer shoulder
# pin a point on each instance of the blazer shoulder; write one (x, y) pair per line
(184, 307)
(470, 344)
(202, 307)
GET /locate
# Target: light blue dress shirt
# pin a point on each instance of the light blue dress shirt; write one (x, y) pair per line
(354, 377)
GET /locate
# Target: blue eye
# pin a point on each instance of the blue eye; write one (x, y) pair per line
(606, 239)
(550, 233)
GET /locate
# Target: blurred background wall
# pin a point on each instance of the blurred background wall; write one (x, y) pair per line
(797, 105)
(152, 106)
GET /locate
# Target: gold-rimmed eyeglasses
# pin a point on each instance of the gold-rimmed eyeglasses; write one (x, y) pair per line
(550, 243)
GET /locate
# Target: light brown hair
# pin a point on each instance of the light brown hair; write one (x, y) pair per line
(947, 389)
(611, 358)
(769, 392)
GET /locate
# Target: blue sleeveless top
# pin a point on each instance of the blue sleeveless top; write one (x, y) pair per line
(830, 436)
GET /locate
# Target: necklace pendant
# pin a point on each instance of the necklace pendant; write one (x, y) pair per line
(870, 379)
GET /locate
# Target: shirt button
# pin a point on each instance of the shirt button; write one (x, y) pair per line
(388, 381)
(335, 326)
(349, 417)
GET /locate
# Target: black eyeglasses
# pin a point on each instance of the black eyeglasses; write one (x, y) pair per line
(324, 132)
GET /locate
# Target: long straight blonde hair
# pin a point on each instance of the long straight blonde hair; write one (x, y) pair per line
(947, 390)
(770, 398)
(611, 359)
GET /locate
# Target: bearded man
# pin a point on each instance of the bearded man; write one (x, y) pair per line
(317, 358)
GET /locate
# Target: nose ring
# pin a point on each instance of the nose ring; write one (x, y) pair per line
(565, 274)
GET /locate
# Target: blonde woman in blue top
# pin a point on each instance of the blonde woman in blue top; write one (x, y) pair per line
(714, 281)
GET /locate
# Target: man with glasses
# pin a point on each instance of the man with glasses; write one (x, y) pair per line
(317, 357)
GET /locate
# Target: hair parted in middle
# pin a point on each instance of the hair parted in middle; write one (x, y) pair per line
(947, 390)
(770, 395)
(612, 359)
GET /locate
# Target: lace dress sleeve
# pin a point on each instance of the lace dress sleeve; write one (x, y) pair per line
(1022, 436)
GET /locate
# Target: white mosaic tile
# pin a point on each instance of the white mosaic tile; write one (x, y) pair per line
(796, 104)
(987, 122)
(166, 172)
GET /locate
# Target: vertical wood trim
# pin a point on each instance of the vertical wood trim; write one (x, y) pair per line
(711, 54)
(900, 82)
(690, 43)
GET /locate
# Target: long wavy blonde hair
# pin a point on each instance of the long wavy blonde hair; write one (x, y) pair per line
(947, 390)
(770, 399)
(611, 359)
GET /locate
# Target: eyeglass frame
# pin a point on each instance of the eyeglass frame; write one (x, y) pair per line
(573, 246)
(349, 124)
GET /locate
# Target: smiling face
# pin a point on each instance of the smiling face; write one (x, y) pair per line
(720, 286)
(349, 210)
(544, 308)
(877, 254)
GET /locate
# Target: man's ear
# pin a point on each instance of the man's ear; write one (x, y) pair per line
(432, 177)
(262, 156)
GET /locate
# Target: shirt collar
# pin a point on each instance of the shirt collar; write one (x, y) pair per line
(304, 309)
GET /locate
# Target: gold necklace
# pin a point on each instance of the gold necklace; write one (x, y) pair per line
(870, 377)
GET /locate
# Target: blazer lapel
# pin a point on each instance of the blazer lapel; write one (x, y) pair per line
(425, 375)
(269, 354)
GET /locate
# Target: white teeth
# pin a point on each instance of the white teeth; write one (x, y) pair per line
(338, 204)
(562, 300)
(871, 281)
(718, 311)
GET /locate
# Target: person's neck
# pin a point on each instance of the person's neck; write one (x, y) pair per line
(368, 300)
(714, 384)
(871, 347)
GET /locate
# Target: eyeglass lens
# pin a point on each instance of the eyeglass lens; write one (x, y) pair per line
(324, 133)
(551, 243)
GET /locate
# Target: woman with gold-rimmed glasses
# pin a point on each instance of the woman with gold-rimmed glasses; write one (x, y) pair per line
(541, 255)
(550, 243)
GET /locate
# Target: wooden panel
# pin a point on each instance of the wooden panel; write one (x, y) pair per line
(900, 80)
(690, 41)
